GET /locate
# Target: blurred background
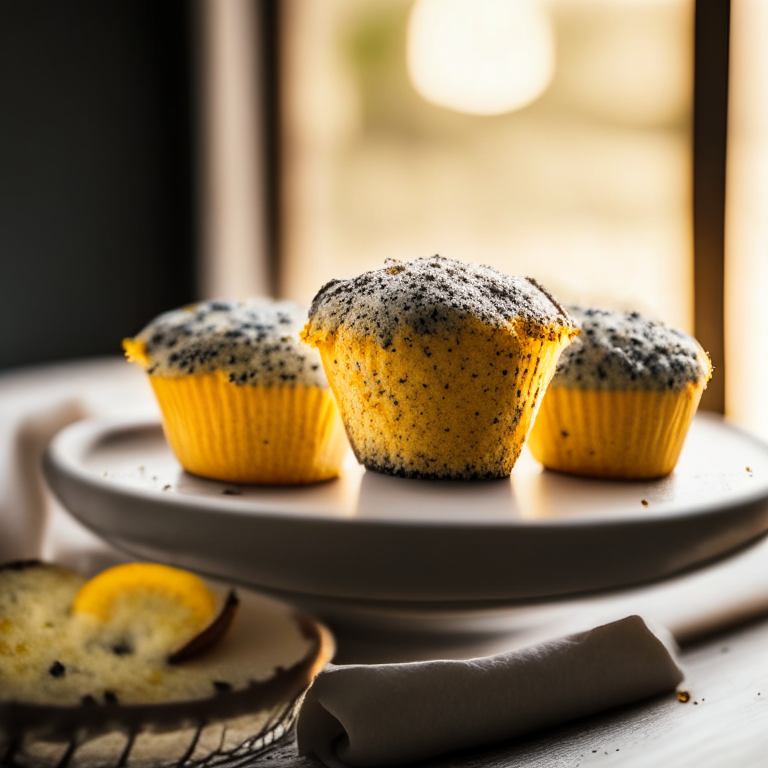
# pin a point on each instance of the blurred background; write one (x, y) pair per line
(154, 153)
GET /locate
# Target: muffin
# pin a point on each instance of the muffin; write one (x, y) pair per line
(622, 398)
(86, 656)
(242, 399)
(438, 366)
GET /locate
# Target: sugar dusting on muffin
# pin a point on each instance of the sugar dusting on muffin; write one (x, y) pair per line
(625, 351)
(255, 342)
(428, 295)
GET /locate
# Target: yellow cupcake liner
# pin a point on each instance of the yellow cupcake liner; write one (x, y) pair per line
(629, 435)
(443, 405)
(251, 434)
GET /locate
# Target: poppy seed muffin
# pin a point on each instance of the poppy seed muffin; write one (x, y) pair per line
(242, 399)
(438, 366)
(622, 398)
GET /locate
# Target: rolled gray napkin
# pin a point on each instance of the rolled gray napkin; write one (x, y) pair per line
(390, 714)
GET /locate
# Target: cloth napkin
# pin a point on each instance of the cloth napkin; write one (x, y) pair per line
(35, 404)
(24, 509)
(389, 714)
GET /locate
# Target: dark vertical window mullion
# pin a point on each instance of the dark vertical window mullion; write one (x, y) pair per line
(710, 119)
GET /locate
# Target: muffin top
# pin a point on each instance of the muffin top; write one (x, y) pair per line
(625, 351)
(429, 295)
(255, 342)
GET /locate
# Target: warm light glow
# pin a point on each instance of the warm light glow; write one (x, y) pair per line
(630, 64)
(746, 234)
(484, 57)
(587, 189)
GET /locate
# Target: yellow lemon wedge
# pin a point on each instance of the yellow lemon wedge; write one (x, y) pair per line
(145, 607)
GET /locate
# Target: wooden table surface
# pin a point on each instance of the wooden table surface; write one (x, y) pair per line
(725, 722)
(719, 615)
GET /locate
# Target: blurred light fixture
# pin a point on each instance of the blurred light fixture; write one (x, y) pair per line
(485, 57)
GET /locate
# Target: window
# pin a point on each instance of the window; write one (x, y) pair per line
(586, 185)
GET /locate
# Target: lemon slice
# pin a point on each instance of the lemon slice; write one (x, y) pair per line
(145, 608)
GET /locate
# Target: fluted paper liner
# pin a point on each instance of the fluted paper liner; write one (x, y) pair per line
(629, 435)
(251, 434)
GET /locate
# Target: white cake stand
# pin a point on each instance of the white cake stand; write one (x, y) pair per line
(377, 550)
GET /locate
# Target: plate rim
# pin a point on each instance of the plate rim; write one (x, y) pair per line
(60, 458)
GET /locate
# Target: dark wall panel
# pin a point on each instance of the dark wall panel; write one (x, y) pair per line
(710, 124)
(96, 185)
